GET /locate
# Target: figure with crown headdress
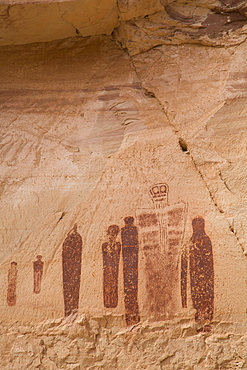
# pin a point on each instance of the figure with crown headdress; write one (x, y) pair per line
(161, 236)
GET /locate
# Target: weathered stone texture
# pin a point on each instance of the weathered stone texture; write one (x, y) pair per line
(140, 24)
(125, 152)
(91, 344)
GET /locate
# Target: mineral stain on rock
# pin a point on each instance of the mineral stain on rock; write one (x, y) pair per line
(71, 262)
(220, 20)
(130, 248)
(111, 255)
(216, 24)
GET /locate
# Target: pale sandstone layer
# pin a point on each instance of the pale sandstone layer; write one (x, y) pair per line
(92, 344)
(88, 127)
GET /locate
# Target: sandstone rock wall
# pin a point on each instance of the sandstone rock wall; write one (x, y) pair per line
(123, 238)
(92, 344)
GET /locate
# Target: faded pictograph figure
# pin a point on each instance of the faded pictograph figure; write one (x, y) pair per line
(37, 274)
(155, 264)
(71, 263)
(171, 218)
(111, 255)
(198, 259)
(161, 235)
(159, 196)
(130, 248)
(12, 280)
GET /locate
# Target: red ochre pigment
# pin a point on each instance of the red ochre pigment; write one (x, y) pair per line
(37, 274)
(129, 237)
(71, 261)
(201, 268)
(12, 280)
(111, 255)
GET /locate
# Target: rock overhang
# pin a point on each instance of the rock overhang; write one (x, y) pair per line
(32, 21)
(138, 25)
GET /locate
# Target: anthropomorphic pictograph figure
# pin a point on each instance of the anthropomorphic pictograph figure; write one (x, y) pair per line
(37, 274)
(111, 254)
(130, 247)
(184, 276)
(161, 231)
(71, 262)
(201, 268)
(159, 196)
(12, 280)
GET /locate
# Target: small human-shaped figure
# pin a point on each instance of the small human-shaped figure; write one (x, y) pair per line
(12, 280)
(201, 267)
(37, 274)
(111, 254)
(129, 237)
(71, 262)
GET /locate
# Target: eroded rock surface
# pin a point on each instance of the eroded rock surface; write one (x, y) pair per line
(140, 24)
(94, 344)
(179, 23)
(123, 150)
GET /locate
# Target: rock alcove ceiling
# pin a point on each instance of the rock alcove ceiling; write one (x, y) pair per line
(123, 184)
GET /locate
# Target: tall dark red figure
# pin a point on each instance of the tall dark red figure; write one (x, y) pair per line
(71, 260)
(111, 254)
(201, 267)
(12, 280)
(129, 237)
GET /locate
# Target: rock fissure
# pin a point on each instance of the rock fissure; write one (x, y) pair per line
(185, 149)
(234, 232)
(224, 182)
(71, 24)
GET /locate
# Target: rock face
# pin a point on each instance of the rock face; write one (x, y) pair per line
(178, 23)
(123, 238)
(28, 21)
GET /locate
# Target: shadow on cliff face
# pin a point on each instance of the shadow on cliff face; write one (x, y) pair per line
(232, 2)
(217, 23)
(231, 16)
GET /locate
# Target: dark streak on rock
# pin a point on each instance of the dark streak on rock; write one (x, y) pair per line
(230, 16)
(231, 2)
(217, 24)
(180, 17)
(61, 217)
